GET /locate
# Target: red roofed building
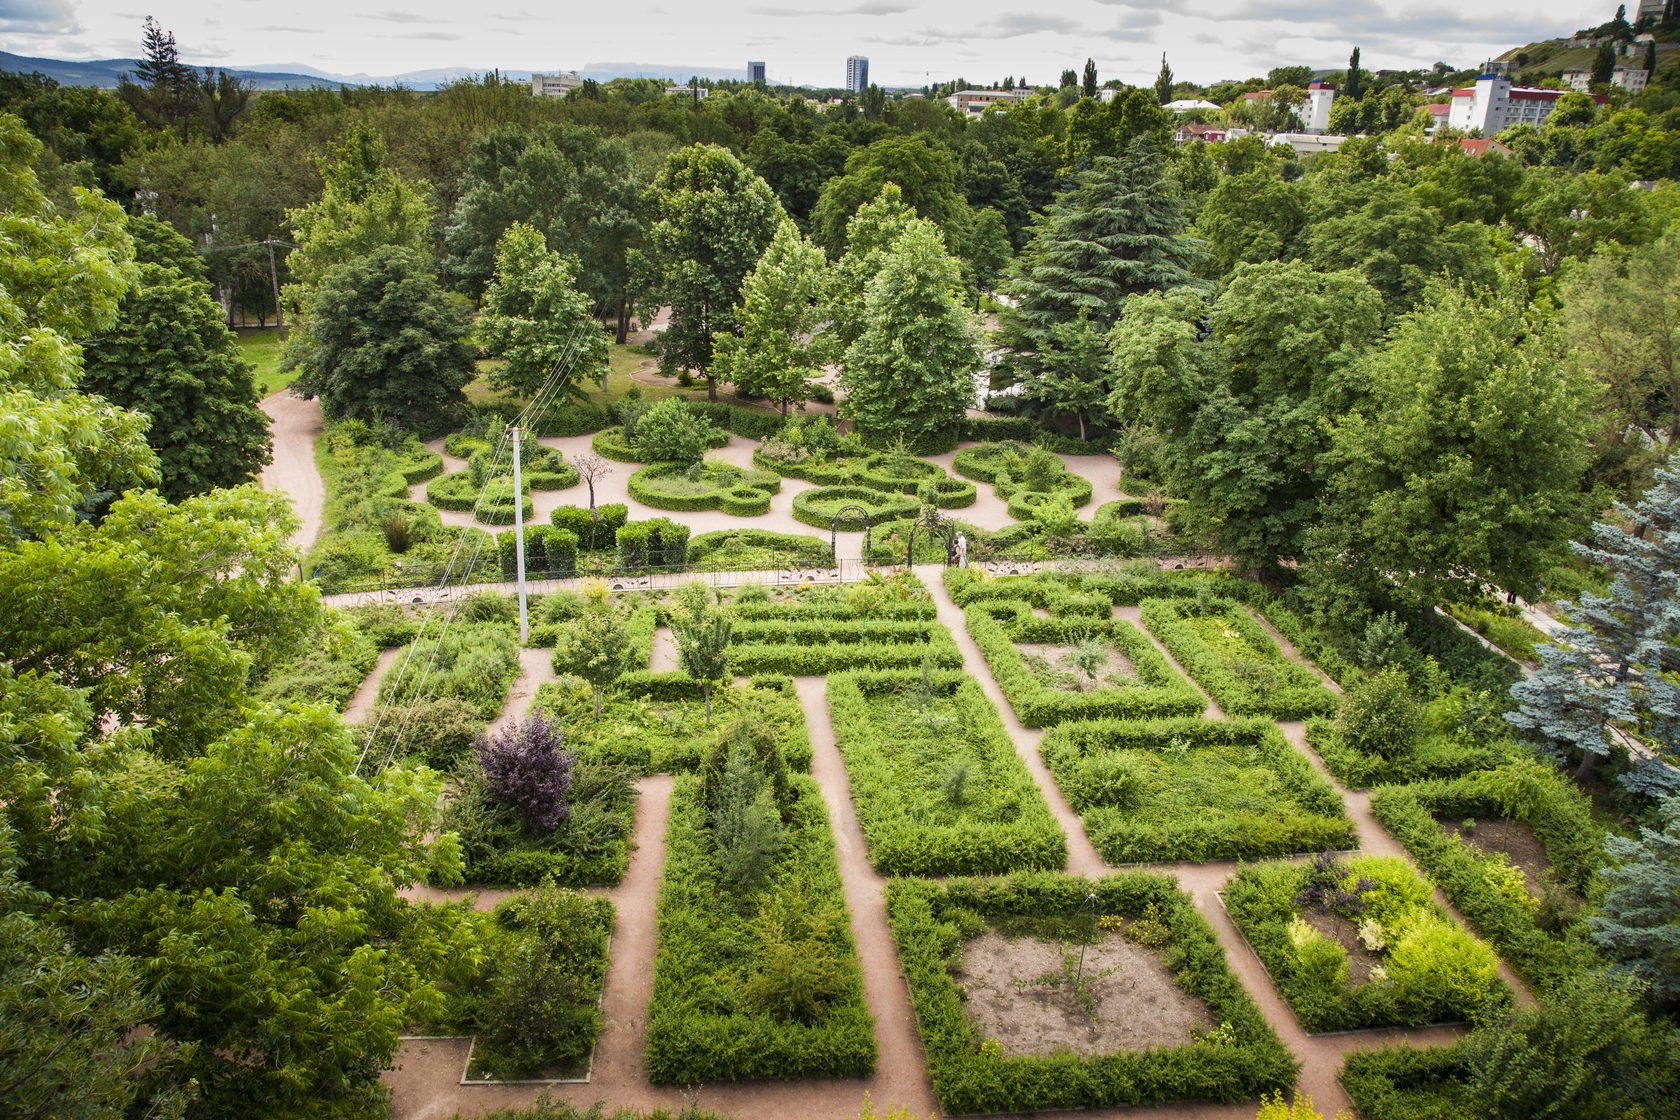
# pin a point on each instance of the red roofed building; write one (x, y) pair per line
(1478, 147)
(1493, 104)
(1438, 113)
(1212, 133)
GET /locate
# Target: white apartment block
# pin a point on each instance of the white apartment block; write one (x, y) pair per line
(1315, 114)
(1630, 78)
(1493, 104)
(973, 102)
(555, 85)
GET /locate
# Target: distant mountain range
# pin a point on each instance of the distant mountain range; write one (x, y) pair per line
(106, 72)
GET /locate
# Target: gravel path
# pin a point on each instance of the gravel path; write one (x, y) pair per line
(293, 425)
(367, 694)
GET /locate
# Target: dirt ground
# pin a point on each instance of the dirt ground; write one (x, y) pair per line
(1117, 668)
(293, 425)
(1513, 839)
(1346, 934)
(1020, 995)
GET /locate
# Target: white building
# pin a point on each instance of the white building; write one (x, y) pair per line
(857, 73)
(555, 85)
(755, 71)
(1630, 78)
(1190, 106)
(697, 93)
(1315, 114)
(1493, 104)
(973, 102)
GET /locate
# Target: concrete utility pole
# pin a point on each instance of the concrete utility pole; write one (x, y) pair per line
(519, 537)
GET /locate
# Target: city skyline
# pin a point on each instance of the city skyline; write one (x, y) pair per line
(908, 42)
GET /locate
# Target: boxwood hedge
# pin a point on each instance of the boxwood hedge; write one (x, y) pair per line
(819, 507)
(743, 493)
(818, 648)
(1234, 658)
(930, 922)
(740, 550)
(1160, 690)
(938, 785)
(1407, 1083)
(1191, 789)
(703, 1024)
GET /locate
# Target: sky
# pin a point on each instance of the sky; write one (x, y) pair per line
(908, 42)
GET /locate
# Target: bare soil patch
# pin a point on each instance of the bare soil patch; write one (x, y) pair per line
(1116, 672)
(1346, 934)
(1019, 993)
(1513, 839)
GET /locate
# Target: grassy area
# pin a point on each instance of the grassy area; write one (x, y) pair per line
(261, 348)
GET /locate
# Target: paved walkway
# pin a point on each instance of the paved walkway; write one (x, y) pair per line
(293, 424)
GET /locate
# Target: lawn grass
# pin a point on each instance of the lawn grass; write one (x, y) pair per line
(261, 347)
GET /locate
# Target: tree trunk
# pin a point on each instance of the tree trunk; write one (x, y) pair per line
(706, 691)
(711, 388)
(1584, 772)
(591, 484)
(1081, 417)
(623, 319)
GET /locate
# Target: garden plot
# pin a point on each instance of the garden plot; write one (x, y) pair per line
(939, 787)
(1011, 1023)
(1076, 666)
(1359, 942)
(1235, 660)
(1191, 789)
(814, 648)
(756, 975)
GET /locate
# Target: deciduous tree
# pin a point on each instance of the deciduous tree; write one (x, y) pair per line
(778, 354)
(537, 321)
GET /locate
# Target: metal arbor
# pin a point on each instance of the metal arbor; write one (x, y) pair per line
(842, 515)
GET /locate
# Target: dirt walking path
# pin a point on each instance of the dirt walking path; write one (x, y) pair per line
(293, 424)
(665, 658)
(536, 668)
(367, 693)
(1134, 615)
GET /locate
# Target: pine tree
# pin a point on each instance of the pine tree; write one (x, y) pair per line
(1608, 683)
(1119, 232)
(1639, 922)
(1164, 81)
(910, 373)
(776, 355)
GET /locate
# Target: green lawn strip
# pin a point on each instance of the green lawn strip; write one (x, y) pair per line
(1540, 935)
(1435, 971)
(931, 921)
(1510, 632)
(938, 785)
(1190, 789)
(721, 950)
(262, 349)
(1236, 661)
(1155, 689)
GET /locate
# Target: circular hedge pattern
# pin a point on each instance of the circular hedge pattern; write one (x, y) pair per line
(818, 507)
(954, 493)
(745, 493)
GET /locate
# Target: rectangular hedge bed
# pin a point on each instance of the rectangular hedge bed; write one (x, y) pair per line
(704, 1023)
(1190, 789)
(591, 847)
(814, 649)
(1233, 657)
(1425, 968)
(1493, 894)
(1436, 754)
(931, 922)
(1159, 691)
(939, 787)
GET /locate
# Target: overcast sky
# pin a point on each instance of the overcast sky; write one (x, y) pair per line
(907, 41)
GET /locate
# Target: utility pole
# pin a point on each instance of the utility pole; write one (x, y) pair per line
(519, 536)
(274, 279)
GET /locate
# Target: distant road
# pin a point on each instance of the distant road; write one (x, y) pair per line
(293, 423)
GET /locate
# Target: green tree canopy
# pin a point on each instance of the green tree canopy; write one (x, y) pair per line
(926, 177)
(778, 354)
(385, 343)
(537, 321)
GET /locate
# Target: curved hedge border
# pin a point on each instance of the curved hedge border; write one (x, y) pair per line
(458, 492)
(609, 443)
(419, 466)
(955, 493)
(969, 1077)
(1563, 824)
(817, 507)
(1302, 695)
(775, 550)
(735, 491)
(897, 776)
(869, 471)
(1285, 807)
(699, 1025)
(1164, 692)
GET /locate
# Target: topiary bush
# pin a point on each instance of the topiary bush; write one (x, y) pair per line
(597, 529)
(670, 432)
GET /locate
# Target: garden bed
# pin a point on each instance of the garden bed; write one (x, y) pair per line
(1235, 660)
(938, 785)
(749, 550)
(817, 648)
(755, 983)
(935, 925)
(1155, 690)
(1436, 754)
(820, 507)
(591, 847)
(475, 662)
(1191, 789)
(1426, 968)
(675, 486)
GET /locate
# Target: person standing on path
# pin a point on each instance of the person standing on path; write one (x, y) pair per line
(962, 550)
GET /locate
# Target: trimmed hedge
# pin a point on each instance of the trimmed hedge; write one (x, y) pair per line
(954, 493)
(731, 489)
(655, 543)
(609, 443)
(1436, 971)
(739, 550)
(701, 1024)
(591, 847)
(550, 553)
(1482, 886)
(493, 504)
(818, 507)
(1247, 675)
(1406, 1083)
(834, 604)
(877, 470)
(1161, 691)
(819, 648)
(1025, 430)
(902, 750)
(930, 922)
(597, 531)
(1191, 789)
(1436, 755)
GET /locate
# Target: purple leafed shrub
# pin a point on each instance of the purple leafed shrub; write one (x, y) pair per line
(526, 769)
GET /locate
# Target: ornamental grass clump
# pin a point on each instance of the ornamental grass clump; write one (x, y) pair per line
(526, 769)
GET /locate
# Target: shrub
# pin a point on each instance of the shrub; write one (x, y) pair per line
(930, 923)
(1190, 789)
(657, 544)
(590, 846)
(1380, 716)
(612, 443)
(739, 550)
(526, 770)
(670, 432)
(440, 732)
(819, 507)
(746, 823)
(474, 662)
(902, 749)
(597, 529)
